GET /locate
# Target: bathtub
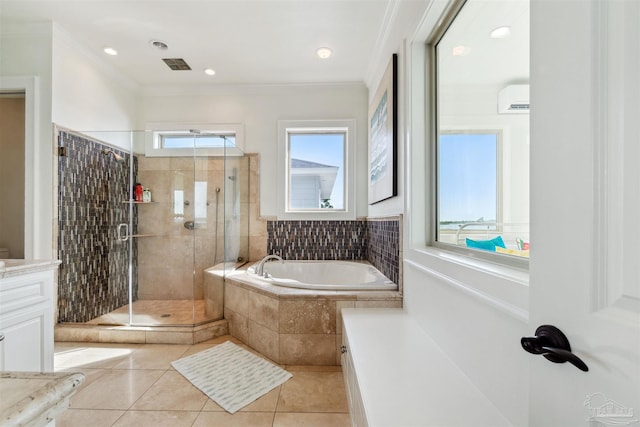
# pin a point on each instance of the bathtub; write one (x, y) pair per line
(323, 275)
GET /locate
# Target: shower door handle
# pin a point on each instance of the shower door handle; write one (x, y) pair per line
(123, 237)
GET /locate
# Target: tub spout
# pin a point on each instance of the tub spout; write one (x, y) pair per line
(260, 267)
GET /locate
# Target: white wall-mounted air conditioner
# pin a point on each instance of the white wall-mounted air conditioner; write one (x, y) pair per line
(514, 99)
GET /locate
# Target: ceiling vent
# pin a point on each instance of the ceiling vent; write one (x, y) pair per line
(514, 99)
(176, 64)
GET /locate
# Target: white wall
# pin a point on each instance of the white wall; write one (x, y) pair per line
(25, 52)
(259, 108)
(88, 94)
(476, 312)
(72, 89)
(402, 19)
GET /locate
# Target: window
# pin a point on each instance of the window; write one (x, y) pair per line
(467, 182)
(186, 140)
(315, 169)
(315, 172)
(482, 131)
(174, 140)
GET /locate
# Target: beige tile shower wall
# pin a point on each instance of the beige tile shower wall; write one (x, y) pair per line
(171, 253)
(257, 224)
(237, 174)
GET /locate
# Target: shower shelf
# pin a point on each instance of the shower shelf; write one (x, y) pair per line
(143, 235)
(138, 203)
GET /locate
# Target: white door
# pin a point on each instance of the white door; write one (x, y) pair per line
(585, 205)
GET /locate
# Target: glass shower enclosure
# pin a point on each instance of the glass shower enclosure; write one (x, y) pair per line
(145, 236)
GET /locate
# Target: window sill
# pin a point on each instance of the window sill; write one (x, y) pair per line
(505, 288)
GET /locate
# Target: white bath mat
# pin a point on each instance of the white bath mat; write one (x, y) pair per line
(230, 375)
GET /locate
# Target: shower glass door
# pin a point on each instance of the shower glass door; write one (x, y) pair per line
(181, 268)
(97, 277)
(145, 239)
(167, 250)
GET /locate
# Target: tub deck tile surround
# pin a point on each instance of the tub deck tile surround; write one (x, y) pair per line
(265, 310)
(299, 349)
(317, 316)
(293, 326)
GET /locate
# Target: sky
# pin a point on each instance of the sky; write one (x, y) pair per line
(327, 149)
(467, 177)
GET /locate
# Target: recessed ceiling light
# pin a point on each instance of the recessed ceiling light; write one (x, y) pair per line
(323, 52)
(157, 44)
(500, 32)
(210, 71)
(110, 51)
(460, 50)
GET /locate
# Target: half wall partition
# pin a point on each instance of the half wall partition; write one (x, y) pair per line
(144, 260)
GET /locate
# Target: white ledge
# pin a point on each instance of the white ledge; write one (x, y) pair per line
(405, 379)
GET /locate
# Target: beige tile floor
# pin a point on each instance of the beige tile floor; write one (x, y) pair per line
(135, 385)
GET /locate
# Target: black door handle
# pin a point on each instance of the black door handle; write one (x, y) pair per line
(553, 345)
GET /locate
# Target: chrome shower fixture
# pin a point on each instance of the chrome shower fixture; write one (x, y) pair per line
(118, 158)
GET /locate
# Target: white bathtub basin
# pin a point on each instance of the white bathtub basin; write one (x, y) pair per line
(324, 275)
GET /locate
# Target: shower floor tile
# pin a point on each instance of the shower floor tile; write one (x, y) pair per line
(156, 312)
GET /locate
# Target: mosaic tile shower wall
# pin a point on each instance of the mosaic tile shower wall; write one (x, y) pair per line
(92, 188)
(375, 241)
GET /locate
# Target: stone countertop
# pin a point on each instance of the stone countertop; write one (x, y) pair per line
(16, 267)
(34, 399)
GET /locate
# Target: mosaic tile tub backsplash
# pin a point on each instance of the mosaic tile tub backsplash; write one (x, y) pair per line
(317, 240)
(383, 247)
(377, 241)
(93, 276)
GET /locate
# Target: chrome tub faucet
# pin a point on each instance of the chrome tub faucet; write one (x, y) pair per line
(260, 268)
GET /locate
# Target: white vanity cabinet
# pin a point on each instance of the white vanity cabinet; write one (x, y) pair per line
(354, 399)
(26, 315)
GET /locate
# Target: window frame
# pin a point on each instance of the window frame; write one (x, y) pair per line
(287, 127)
(165, 136)
(154, 146)
(289, 184)
(432, 119)
(493, 286)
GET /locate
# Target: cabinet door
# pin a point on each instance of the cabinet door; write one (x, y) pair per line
(23, 345)
(356, 407)
(26, 321)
